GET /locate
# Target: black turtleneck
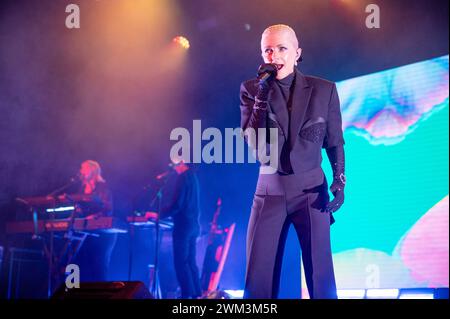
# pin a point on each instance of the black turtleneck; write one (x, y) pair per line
(286, 86)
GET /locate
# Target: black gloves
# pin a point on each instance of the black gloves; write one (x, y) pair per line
(337, 160)
(266, 73)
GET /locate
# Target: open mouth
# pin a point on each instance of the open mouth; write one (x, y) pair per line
(279, 66)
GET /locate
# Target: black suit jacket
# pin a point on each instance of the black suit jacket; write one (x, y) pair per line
(181, 202)
(315, 123)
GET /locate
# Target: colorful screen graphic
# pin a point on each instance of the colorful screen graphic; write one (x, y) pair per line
(393, 230)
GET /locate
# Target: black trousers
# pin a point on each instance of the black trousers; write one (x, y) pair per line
(184, 253)
(269, 223)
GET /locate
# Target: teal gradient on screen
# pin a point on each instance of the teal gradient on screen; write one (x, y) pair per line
(396, 126)
(391, 186)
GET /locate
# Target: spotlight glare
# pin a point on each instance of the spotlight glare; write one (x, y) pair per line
(351, 293)
(182, 41)
(382, 293)
(417, 293)
(416, 296)
(235, 293)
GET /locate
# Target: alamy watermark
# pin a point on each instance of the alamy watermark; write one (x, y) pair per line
(73, 17)
(263, 145)
(373, 19)
(373, 277)
(72, 276)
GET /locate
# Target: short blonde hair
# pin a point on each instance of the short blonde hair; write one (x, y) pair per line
(282, 28)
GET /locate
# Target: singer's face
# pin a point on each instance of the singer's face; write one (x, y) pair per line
(280, 48)
(86, 172)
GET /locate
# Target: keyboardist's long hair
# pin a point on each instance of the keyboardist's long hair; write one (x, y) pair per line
(97, 170)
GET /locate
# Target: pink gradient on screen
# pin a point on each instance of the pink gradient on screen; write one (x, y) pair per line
(424, 249)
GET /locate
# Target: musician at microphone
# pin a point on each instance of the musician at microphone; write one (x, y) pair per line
(95, 254)
(180, 200)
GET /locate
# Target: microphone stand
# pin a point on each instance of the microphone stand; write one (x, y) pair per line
(155, 289)
(64, 187)
(52, 236)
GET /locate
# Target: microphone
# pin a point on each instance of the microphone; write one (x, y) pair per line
(267, 72)
(264, 76)
(162, 175)
(72, 180)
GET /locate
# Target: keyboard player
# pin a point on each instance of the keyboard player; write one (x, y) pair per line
(95, 253)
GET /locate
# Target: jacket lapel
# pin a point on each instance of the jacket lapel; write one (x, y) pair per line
(300, 103)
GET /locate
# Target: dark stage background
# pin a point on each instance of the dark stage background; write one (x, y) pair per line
(115, 88)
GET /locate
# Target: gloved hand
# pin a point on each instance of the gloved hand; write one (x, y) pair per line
(337, 160)
(337, 189)
(264, 82)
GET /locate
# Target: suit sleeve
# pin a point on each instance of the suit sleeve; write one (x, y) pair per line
(334, 135)
(174, 197)
(253, 115)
